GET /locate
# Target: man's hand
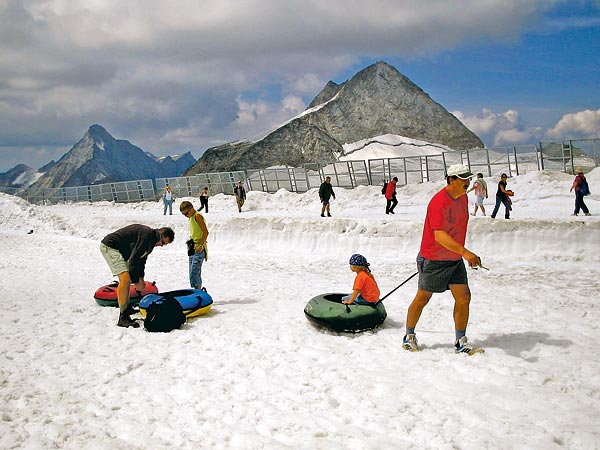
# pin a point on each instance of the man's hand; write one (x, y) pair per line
(140, 285)
(472, 259)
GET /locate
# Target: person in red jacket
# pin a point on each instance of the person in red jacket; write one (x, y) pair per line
(390, 196)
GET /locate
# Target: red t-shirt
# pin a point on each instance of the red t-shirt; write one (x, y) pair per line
(447, 214)
(367, 286)
(579, 180)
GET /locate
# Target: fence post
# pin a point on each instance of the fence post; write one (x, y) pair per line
(516, 161)
(489, 163)
(468, 159)
(444, 162)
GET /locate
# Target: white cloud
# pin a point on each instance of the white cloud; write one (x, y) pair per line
(582, 125)
(293, 104)
(158, 73)
(498, 129)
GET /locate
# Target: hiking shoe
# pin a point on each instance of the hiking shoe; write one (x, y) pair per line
(131, 310)
(588, 214)
(328, 215)
(126, 321)
(462, 346)
(410, 343)
(322, 215)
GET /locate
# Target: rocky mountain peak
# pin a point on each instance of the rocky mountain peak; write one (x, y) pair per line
(98, 134)
(377, 101)
(100, 158)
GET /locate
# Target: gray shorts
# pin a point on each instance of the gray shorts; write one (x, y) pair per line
(437, 276)
(114, 259)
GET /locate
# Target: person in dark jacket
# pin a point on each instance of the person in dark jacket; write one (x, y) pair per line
(125, 252)
(390, 196)
(502, 198)
(240, 195)
(325, 194)
(204, 199)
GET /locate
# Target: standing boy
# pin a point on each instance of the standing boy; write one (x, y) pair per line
(198, 234)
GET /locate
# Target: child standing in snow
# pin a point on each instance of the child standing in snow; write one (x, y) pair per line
(366, 291)
(480, 188)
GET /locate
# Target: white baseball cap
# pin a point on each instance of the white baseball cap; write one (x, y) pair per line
(459, 170)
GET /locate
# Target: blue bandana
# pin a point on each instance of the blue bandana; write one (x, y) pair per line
(358, 260)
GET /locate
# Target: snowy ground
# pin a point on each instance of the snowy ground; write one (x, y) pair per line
(254, 374)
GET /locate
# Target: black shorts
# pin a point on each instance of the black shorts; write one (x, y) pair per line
(437, 276)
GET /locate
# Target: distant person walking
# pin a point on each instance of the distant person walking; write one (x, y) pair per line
(204, 199)
(440, 259)
(502, 197)
(390, 196)
(199, 235)
(240, 195)
(125, 252)
(325, 194)
(481, 193)
(582, 189)
(168, 201)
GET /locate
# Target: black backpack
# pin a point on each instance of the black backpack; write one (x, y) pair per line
(384, 188)
(584, 188)
(164, 315)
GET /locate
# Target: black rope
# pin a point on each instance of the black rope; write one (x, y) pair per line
(399, 286)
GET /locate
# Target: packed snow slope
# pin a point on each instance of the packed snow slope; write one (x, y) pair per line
(255, 374)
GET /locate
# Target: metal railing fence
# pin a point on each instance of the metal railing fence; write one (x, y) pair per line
(121, 192)
(563, 156)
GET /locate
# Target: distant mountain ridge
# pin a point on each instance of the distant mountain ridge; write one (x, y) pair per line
(376, 101)
(17, 177)
(100, 158)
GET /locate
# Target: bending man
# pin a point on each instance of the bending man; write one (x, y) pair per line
(125, 252)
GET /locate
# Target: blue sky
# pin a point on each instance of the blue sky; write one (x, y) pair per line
(186, 75)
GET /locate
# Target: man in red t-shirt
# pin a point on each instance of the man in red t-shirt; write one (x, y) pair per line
(440, 263)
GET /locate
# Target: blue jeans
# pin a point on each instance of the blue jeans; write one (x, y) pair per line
(359, 300)
(503, 200)
(168, 203)
(196, 261)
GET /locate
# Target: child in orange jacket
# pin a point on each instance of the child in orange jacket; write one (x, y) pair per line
(365, 289)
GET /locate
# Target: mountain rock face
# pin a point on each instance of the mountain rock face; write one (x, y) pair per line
(100, 158)
(17, 177)
(376, 101)
(174, 166)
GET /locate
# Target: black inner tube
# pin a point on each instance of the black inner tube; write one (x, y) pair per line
(336, 298)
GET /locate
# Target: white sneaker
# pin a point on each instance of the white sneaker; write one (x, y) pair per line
(410, 343)
(462, 346)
